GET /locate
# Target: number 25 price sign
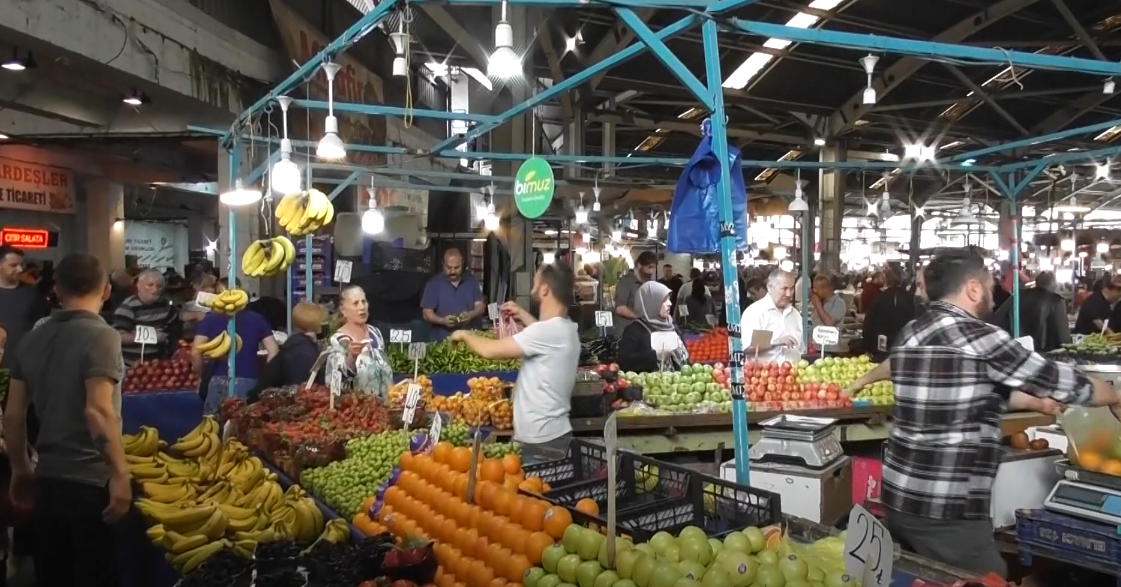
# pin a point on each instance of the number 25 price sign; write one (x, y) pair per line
(868, 549)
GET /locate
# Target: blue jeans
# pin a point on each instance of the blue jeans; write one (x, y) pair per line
(219, 390)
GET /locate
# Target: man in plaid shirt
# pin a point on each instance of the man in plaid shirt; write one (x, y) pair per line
(954, 376)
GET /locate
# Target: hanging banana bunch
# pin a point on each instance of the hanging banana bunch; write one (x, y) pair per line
(268, 257)
(303, 213)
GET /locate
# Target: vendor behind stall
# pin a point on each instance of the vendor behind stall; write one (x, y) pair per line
(775, 313)
(1098, 308)
(147, 307)
(452, 299)
(549, 348)
(215, 375)
(952, 374)
(653, 305)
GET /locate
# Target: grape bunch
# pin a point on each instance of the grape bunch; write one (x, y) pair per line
(497, 450)
(370, 462)
(457, 434)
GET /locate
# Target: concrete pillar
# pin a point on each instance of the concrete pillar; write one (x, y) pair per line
(608, 148)
(105, 229)
(247, 226)
(574, 143)
(831, 186)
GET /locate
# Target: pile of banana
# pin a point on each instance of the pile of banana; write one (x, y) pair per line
(229, 302)
(265, 258)
(208, 495)
(302, 213)
(219, 346)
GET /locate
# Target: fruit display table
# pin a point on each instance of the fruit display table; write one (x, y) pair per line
(173, 413)
(451, 383)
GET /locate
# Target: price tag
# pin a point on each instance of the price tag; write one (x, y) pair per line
(146, 335)
(492, 311)
(682, 311)
(611, 443)
(412, 398)
(710, 319)
(342, 271)
(400, 336)
(664, 342)
(417, 351)
(604, 320)
(434, 430)
(826, 335)
(472, 472)
(205, 298)
(868, 549)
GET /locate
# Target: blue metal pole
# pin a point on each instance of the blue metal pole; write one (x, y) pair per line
(379, 110)
(359, 29)
(1033, 141)
(929, 49)
(1014, 258)
(1087, 157)
(663, 53)
(260, 171)
(231, 267)
(349, 181)
(726, 5)
(682, 4)
(569, 83)
(728, 249)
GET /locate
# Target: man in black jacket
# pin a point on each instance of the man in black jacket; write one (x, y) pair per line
(1043, 314)
(893, 308)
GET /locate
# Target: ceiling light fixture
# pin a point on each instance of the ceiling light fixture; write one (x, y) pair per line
(285, 177)
(240, 195)
(504, 63)
(17, 64)
(331, 147)
(581, 216)
(798, 205)
(1109, 86)
(1101, 170)
(401, 41)
(595, 192)
(3, 137)
(820, 142)
(134, 98)
(373, 221)
(869, 63)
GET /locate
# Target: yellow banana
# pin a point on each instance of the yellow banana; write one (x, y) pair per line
(156, 533)
(253, 259)
(167, 459)
(251, 480)
(245, 548)
(184, 517)
(165, 493)
(199, 450)
(210, 345)
(233, 512)
(213, 528)
(266, 535)
(215, 450)
(216, 493)
(289, 251)
(177, 543)
(188, 442)
(220, 349)
(242, 524)
(262, 523)
(182, 469)
(190, 560)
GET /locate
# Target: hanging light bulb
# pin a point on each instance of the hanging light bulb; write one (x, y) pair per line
(482, 208)
(1067, 245)
(504, 63)
(491, 220)
(240, 195)
(798, 205)
(586, 238)
(285, 177)
(581, 216)
(548, 258)
(400, 41)
(869, 64)
(373, 221)
(885, 204)
(331, 147)
(1101, 171)
(595, 191)
(616, 234)
(666, 223)
(651, 227)
(1103, 247)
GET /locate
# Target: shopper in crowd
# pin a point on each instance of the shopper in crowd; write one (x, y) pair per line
(674, 282)
(20, 304)
(756, 288)
(893, 308)
(951, 374)
(1043, 314)
(453, 299)
(1096, 313)
(549, 347)
(775, 313)
(148, 308)
(827, 308)
(359, 362)
(297, 356)
(700, 306)
(872, 288)
(214, 375)
(69, 370)
(695, 275)
(626, 289)
(636, 345)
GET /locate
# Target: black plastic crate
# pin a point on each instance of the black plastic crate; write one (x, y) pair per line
(584, 461)
(713, 504)
(639, 481)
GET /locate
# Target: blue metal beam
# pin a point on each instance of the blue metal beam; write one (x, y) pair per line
(726, 5)
(562, 87)
(261, 169)
(929, 49)
(678, 4)
(349, 181)
(1033, 141)
(380, 110)
(350, 36)
(663, 53)
(1084, 157)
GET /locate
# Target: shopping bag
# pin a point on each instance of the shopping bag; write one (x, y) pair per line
(507, 327)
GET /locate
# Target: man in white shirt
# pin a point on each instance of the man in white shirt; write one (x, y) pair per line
(549, 348)
(775, 313)
(687, 288)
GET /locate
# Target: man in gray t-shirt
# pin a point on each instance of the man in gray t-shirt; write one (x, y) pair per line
(645, 268)
(69, 370)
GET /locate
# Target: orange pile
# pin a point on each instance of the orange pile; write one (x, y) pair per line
(491, 542)
(709, 348)
(483, 405)
(400, 390)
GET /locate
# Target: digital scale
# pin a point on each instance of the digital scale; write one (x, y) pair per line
(1089, 502)
(799, 441)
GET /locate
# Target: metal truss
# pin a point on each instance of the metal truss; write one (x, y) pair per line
(1011, 178)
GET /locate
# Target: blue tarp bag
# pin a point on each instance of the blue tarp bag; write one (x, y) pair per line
(694, 224)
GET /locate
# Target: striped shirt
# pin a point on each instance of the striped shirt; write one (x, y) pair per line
(132, 313)
(952, 375)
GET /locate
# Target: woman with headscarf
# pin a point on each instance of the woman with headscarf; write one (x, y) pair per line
(636, 349)
(358, 361)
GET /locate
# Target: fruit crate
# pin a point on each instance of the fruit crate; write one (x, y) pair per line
(639, 482)
(584, 461)
(713, 504)
(1076, 541)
